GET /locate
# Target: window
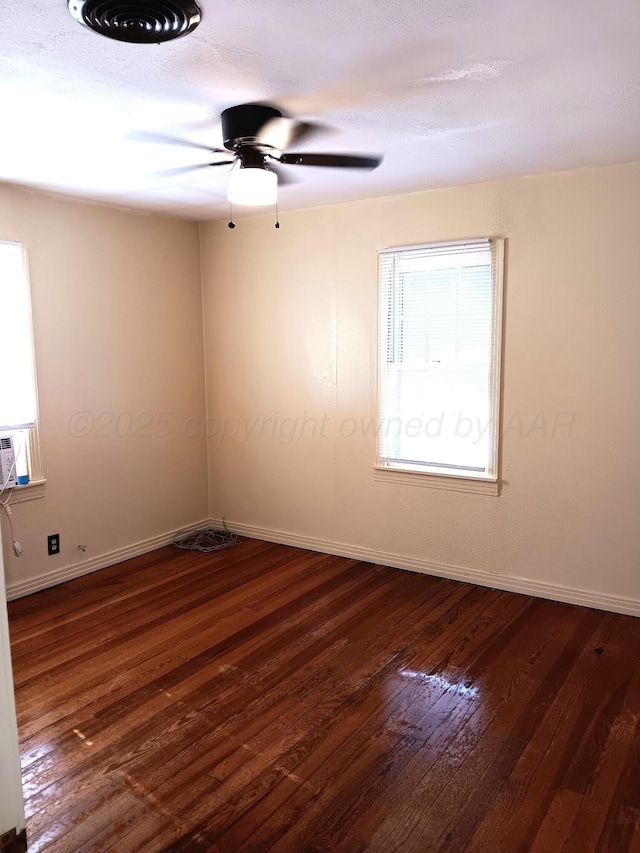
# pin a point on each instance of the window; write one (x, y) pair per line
(439, 358)
(18, 401)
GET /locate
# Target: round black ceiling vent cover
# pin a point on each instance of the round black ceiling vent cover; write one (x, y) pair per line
(139, 21)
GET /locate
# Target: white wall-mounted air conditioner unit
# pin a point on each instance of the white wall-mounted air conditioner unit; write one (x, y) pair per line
(7, 462)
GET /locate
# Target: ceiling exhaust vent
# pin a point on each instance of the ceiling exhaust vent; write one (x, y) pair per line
(139, 21)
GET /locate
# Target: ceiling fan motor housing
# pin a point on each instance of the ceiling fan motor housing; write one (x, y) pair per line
(244, 122)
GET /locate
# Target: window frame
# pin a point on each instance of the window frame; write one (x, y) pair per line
(402, 473)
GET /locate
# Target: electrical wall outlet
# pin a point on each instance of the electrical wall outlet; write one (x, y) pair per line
(53, 544)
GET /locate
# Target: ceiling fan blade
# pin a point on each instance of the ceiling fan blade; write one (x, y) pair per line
(164, 139)
(180, 170)
(308, 129)
(282, 132)
(340, 161)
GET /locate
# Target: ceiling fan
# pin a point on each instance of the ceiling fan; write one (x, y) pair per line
(256, 138)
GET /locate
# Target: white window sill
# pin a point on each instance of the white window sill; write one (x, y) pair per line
(31, 492)
(450, 482)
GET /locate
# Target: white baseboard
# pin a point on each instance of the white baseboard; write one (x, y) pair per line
(66, 573)
(526, 586)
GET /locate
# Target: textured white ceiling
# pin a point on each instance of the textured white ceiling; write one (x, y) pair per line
(450, 91)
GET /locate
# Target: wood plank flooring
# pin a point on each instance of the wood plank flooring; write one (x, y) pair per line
(269, 698)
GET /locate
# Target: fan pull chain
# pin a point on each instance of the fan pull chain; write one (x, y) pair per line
(232, 224)
(277, 225)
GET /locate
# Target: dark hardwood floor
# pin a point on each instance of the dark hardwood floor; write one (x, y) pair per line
(269, 698)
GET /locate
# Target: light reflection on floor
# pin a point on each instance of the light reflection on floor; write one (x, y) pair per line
(444, 713)
(444, 683)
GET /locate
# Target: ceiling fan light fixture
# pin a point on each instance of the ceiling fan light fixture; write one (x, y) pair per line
(252, 186)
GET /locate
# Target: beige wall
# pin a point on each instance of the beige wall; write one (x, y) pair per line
(290, 324)
(290, 320)
(118, 329)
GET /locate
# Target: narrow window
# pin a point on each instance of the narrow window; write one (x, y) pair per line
(18, 399)
(440, 317)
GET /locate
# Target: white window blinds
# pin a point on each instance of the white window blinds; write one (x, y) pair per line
(17, 394)
(439, 346)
